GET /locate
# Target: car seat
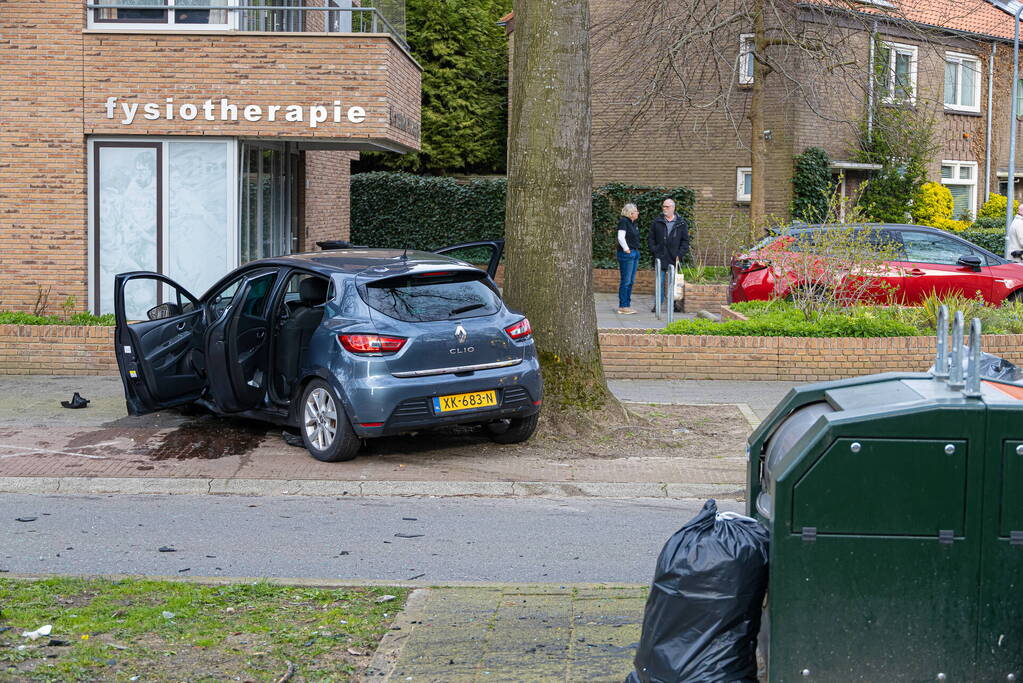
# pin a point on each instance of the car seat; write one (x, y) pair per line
(296, 332)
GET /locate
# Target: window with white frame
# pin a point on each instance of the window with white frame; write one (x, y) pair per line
(743, 184)
(180, 14)
(746, 43)
(960, 177)
(896, 72)
(962, 82)
(1019, 97)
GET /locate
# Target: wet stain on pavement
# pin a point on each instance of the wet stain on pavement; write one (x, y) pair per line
(204, 438)
(209, 439)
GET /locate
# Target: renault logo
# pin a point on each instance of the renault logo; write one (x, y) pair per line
(460, 334)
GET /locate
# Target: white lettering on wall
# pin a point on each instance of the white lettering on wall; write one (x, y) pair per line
(314, 114)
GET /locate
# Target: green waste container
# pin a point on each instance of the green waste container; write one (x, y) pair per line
(895, 505)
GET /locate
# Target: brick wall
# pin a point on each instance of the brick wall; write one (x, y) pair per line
(56, 350)
(631, 355)
(327, 197)
(627, 354)
(42, 155)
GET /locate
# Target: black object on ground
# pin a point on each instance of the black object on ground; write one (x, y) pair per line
(76, 402)
(408, 535)
(701, 620)
(25, 519)
(166, 549)
(293, 439)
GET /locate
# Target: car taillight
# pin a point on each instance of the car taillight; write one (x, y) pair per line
(519, 330)
(370, 343)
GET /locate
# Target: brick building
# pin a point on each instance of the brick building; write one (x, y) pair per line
(944, 58)
(184, 139)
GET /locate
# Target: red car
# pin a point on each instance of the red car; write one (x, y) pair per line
(929, 261)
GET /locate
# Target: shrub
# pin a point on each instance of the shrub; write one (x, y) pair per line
(811, 186)
(85, 319)
(991, 239)
(422, 212)
(780, 319)
(994, 208)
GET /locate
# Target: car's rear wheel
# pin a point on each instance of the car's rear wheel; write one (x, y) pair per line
(326, 431)
(513, 430)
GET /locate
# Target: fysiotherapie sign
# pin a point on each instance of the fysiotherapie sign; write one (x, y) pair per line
(207, 110)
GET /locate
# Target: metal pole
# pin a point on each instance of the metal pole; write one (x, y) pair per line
(955, 373)
(671, 296)
(972, 388)
(941, 356)
(1012, 131)
(657, 288)
(987, 140)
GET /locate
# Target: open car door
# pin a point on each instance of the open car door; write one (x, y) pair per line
(238, 344)
(159, 329)
(487, 251)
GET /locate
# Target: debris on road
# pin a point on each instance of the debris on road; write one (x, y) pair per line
(293, 439)
(76, 402)
(45, 631)
(408, 535)
(385, 598)
(166, 549)
(168, 615)
(25, 519)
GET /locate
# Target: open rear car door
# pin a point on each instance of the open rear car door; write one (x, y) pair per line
(488, 251)
(159, 329)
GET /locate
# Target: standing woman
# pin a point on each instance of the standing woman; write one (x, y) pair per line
(628, 256)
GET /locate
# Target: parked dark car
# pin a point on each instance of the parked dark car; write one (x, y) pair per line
(344, 345)
(929, 261)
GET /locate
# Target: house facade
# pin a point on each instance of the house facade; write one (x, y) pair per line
(948, 63)
(185, 138)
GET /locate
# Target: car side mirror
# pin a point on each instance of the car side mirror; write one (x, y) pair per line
(970, 261)
(163, 311)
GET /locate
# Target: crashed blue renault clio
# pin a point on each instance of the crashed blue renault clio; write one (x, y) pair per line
(343, 345)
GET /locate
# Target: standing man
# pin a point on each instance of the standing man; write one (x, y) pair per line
(668, 241)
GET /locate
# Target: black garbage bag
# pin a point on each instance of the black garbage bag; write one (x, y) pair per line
(703, 614)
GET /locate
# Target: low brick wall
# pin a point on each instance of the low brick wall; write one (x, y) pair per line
(628, 354)
(56, 350)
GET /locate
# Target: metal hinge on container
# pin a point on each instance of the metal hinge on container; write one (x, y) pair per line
(809, 534)
(946, 536)
(1016, 538)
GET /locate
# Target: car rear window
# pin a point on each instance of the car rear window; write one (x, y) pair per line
(424, 297)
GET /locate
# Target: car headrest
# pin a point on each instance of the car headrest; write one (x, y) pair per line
(312, 291)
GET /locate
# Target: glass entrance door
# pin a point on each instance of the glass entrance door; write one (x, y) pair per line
(268, 201)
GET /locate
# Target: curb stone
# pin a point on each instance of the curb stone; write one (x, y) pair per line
(388, 652)
(320, 487)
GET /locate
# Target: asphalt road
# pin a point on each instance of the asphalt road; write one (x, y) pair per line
(523, 540)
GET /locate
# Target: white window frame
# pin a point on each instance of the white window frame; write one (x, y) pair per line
(233, 185)
(888, 86)
(960, 58)
(956, 180)
(169, 25)
(740, 185)
(746, 44)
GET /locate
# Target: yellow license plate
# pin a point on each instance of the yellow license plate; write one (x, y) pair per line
(471, 401)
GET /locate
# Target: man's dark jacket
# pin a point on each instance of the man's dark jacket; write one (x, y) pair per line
(668, 247)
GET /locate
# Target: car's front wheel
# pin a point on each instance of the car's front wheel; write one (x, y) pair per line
(513, 430)
(326, 431)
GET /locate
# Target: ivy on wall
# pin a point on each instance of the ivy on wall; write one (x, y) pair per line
(811, 186)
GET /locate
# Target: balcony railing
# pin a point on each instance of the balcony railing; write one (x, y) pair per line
(333, 16)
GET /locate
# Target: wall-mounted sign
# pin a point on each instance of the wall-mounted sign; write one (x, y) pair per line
(169, 110)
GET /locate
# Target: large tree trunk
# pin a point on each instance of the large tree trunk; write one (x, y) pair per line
(758, 144)
(549, 229)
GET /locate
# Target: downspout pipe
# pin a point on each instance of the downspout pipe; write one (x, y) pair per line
(987, 141)
(1009, 193)
(870, 80)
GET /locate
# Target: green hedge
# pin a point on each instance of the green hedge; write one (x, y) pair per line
(87, 319)
(783, 320)
(992, 239)
(424, 212)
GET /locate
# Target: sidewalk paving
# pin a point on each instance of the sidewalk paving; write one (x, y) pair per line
(514, 633)
(45, 449)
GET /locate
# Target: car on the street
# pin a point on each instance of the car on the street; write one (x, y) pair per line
(343, 345)
(921, 261)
